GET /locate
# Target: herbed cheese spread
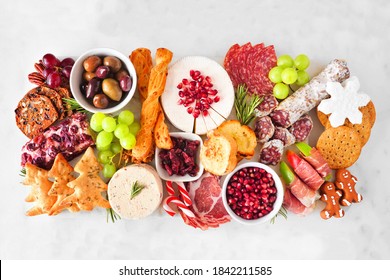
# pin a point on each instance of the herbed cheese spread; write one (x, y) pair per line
(144, 203)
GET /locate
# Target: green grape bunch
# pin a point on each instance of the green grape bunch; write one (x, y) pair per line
(113, 135)
(288, 72)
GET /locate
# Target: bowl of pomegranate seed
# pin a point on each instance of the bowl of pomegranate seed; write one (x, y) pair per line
(182, 162)
(252, 193)
(103, 80)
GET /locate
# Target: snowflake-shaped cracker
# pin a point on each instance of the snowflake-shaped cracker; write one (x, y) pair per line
(344, 102)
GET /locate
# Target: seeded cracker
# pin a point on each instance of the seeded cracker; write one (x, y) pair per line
(340, 146)
(37, 178)
(35, 113)
(55, 98)
(88, 187)
(61, 172)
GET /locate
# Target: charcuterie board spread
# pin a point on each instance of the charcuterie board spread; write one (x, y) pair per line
(242, 153)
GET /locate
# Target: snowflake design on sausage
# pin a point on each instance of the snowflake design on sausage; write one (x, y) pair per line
(344, 102)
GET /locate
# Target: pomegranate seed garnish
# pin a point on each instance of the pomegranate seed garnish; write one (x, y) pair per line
(198, 90)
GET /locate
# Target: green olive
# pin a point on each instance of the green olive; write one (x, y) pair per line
(89, 76)
(91, 63)
(113, 62)
(112, 89)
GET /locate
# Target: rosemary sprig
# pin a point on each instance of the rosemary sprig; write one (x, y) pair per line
(136, 188)
(282, 212)
(111, 214)
(22, 172)
(74, 105)
(245, 104)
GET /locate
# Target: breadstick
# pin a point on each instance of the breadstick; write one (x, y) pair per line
(142, 61)
(144, 148)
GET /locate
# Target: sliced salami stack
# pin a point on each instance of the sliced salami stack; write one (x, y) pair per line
(249, 65)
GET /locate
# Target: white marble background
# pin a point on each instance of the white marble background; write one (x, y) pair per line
(354, 30)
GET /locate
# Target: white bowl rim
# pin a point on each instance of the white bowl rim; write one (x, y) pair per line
(277, 204)
(76, 88)
(175, 178)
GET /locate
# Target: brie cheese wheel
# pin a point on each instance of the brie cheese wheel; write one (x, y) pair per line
(177, 114)
(145, 202)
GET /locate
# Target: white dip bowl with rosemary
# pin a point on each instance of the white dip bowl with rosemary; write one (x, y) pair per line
(135, 191)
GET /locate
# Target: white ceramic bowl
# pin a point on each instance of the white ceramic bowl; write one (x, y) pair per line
(277, 203)
(77, 73)
(177, 178)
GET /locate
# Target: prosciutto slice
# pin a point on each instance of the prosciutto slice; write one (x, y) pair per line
(292, 204)
(303, 193)
(308, 175)
(207, 204)
(318, 162)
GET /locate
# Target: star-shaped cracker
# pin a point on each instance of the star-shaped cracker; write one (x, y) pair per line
(88, 187)
(61, 172)
(37, 178)
(344, 102)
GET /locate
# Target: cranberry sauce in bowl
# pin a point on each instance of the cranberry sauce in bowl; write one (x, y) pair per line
(252, 193)
(182, 162)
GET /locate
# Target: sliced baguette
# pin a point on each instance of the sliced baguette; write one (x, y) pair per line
(219, 153)
(244, 136)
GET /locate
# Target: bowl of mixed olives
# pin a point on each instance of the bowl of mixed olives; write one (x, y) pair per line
(103, 80)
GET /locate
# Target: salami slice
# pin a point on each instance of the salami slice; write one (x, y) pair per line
(280, 118)
(268, 104)
(262, 64)
(302, 128)
(284, 135)
(271, 152)
(230, 55)
(264, 129)
(241, 64)
(310, 95)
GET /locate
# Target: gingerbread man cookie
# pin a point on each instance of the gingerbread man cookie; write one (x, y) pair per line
(346, 182)
(331, 196)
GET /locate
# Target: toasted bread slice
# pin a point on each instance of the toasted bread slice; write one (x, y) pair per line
(218, 154)
(244, 136)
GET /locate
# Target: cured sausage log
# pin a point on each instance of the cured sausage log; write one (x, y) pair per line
(310, 95)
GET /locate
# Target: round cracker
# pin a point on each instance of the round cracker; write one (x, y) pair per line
(340, 146)
(35, 113)
(55, 98)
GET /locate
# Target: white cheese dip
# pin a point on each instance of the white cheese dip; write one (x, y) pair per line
(144, 203)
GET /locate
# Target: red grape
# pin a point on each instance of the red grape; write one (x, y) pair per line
(66, 71)
(49, 60)
(53, 80)
(67, 62)
(47, 71)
